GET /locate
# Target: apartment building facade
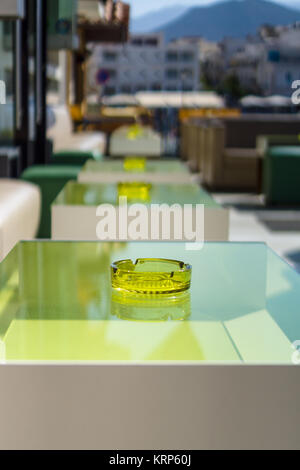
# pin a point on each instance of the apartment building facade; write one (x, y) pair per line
(267, 63)
(145, 63)
(279, 64)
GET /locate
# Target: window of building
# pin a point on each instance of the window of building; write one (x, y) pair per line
(112, 73)
(151, 42)
(126, 89)
(186, 74)
(142, 74)
(274, 56)
(137, 41)
(156, 87)
(141, 87)
(172, 74)
(126, 74)
(187, 87)
(110, 56)
(172, 56)
(187, 56)
(110, 90)
(289, 77)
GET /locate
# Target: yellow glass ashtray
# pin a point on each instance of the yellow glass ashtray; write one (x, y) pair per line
(134, 164)
(151, 276)
(135, 191)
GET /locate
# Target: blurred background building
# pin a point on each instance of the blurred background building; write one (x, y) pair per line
(146, 63)
(265, 63)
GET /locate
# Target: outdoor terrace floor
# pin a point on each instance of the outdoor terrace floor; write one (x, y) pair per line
(250, 220)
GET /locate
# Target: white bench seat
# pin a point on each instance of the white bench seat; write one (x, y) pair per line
(20, 205)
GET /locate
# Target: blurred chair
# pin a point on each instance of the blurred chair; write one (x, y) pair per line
(231, 158)
(197, 143)
(51, 179)
(189, 141)
(193, 147)
(281, 169)
(264, 142)
(135, 140)
(66, 136)
(20, 205)
(183, 140)
(233, 168)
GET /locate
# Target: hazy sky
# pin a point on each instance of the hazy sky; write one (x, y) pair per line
(140, 7)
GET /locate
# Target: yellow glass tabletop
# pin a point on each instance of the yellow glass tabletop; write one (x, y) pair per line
(57, 304)
(145, 165)
(93, 194)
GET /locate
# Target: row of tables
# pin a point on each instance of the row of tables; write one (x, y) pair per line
(160, 182)
(215, 369)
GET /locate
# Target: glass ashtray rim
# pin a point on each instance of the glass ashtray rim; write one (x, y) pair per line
(183, 267)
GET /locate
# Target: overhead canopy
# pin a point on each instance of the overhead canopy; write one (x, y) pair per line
(179, 99)
(252, 101)
(265, 102)
(120, 100)
(277, 100)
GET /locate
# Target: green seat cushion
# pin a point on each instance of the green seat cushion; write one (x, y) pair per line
(74, 157)
(51, 179)
(287, 151)
(45, 172)
(282, 175)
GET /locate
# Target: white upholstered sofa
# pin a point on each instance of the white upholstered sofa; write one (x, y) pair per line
(20, 205)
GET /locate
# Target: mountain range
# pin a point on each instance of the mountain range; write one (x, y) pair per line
(156, 19)
(235, 18)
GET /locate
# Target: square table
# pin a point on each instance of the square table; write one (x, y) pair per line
(74, 210)
(216, 369)
(162, 171)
